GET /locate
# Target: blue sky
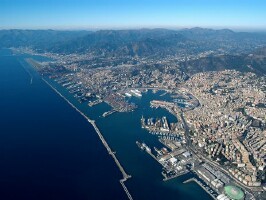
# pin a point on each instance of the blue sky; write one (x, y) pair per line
(100, 14)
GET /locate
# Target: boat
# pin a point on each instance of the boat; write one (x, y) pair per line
(140, 145)
(128, 95)
(136, 93)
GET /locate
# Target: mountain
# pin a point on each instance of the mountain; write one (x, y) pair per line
(142, 42)
(38, 39)
(162, 42)
(230, 50)
(122, 42)
(255, 62)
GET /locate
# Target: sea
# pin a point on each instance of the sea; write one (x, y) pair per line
(49, 151)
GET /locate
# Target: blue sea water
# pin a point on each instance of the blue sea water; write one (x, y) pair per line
(49, 151)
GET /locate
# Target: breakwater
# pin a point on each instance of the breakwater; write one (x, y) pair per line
(27, 70)
(92, 122)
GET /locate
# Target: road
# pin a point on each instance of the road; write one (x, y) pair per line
(199, 155)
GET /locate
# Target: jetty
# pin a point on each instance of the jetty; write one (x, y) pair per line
(92, 122)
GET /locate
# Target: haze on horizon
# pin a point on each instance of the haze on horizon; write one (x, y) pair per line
(121, 14)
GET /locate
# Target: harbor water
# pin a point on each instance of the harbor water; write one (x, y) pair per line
(49, 150)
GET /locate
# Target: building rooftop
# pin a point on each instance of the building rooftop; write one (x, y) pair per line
(234, 192)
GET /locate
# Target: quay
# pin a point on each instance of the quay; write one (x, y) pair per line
(92, 122)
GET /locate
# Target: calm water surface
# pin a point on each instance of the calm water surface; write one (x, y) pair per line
(47, 149)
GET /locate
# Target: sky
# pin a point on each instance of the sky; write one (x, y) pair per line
(124, 14)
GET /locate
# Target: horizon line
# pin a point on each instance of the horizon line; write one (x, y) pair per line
(98, 28)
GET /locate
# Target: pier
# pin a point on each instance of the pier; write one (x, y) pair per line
(92, 122)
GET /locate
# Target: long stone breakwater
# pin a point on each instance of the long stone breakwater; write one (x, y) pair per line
(92, 122)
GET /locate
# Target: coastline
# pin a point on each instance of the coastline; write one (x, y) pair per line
(92, 122)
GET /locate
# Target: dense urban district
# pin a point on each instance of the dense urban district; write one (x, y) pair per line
(220, 133)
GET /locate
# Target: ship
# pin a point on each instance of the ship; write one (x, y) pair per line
(136, 93)
(128, 95)
(143, 146)
(140, 145)
(143, 125)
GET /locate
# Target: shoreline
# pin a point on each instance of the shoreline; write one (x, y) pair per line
(92, 122)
